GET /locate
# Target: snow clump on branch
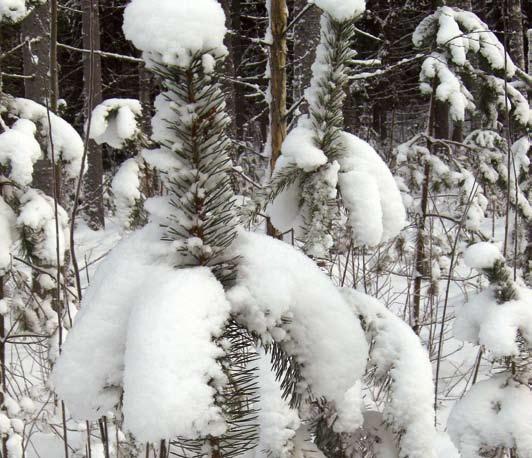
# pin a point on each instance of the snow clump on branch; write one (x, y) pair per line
(174, 31)
(342, 10)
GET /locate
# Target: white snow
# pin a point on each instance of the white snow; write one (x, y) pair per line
(342, 10)
(369, 192)
(90, 381)
(520, 150)
(174, 31)
(161, 159)
(302, 308)
(163, 120)
(396, 350)
(7, 234)
(19, 150)
(449, 89)
(38, 215)
(481, 39)
(151, 330)
(114, 121)
(126, 189)
(13, 10)
(482, 255)
(171, 357)
(493, 413)
(461, 32)
(450, 35)
(14, 446)
(60, 136)
(360, 195)
(299, 148)
(285, 212)
(278, 423)
(445, 447)
(5, 423)
(495, 326)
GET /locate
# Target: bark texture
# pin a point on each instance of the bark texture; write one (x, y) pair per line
(36, 61)
(279, 22)
(92, 89)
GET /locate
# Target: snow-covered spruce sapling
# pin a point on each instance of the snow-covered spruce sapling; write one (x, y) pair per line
(170, 343)
(495, 414)
(321, 166)
(468, 67)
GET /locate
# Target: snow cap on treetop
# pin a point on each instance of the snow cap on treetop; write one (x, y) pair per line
(342, 10)
(171, 31)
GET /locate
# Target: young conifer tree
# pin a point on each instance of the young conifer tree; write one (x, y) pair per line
(171, 345)
(324, 172)
(493, 417)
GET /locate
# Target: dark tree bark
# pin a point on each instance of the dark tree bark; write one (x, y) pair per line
(36, 60)
(237, 50)
(516, 42)
(92, 88)
(279, 22)
(145, 97)
(528, 257)
(306, 39)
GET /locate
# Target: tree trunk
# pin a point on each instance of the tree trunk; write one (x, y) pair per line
(237, 50)
(145, 99)
(54, 63)
(36, 61)
(528, 260)
(441, 120)
(516, 42)
(3, 385)
(279, 22)
(439, 128)
(306, 40)
(92, 88)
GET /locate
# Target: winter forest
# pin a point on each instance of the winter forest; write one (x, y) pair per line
(265, 229)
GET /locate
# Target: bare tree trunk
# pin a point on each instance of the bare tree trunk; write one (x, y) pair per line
(278, 52)
(441, 120)
(2, 362)
(92, 88)
(237, 49)
(145, 90)
(439, 128)
(54, 63)
(516, 41)
(279, 22)
(36, 60)
(230, 87)
(528, 258)
(306, 40)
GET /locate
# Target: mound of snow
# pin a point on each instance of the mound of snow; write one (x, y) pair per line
(171, 31)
